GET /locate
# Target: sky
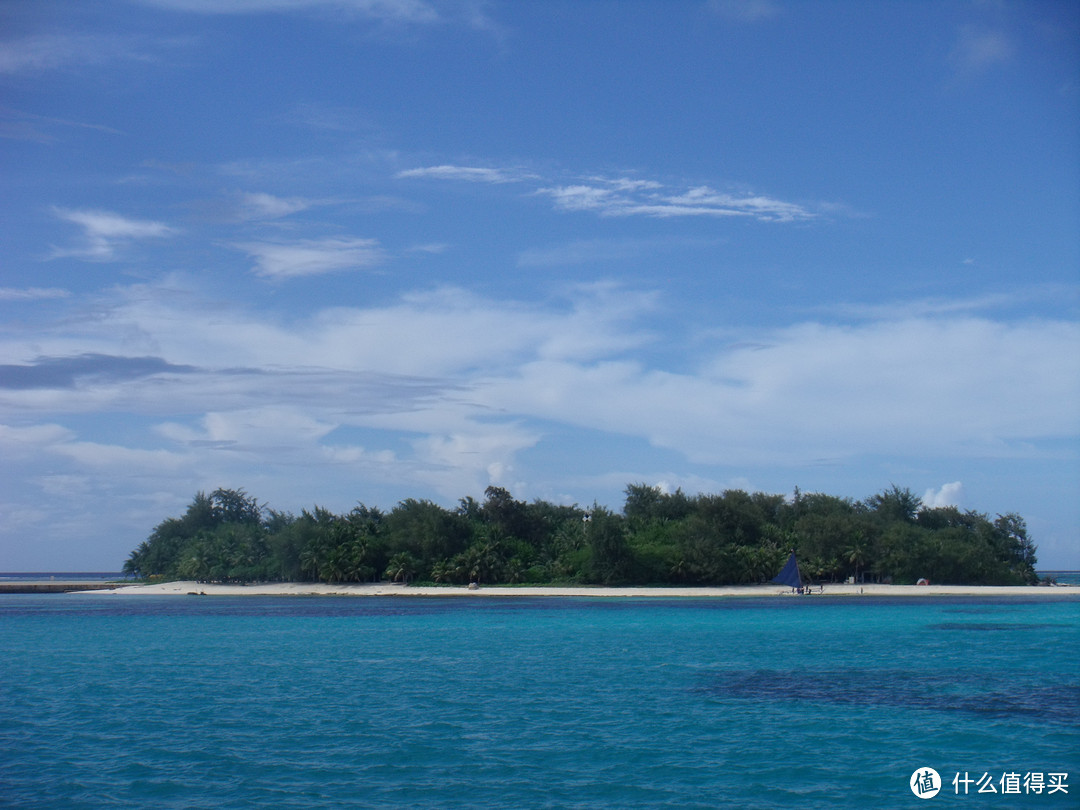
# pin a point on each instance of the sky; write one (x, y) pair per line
(355, 251)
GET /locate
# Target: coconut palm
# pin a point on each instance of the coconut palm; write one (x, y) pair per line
(402, 567)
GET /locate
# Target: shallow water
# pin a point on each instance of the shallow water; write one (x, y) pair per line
(114, 701)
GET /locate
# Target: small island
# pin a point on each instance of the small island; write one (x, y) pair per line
(664, 540)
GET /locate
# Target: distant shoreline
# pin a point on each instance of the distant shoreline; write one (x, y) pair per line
(398, 589)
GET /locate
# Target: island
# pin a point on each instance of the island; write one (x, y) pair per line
(668, 541)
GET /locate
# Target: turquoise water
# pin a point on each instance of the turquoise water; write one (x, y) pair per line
(113, 701)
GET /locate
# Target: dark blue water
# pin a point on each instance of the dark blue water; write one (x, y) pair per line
(177, 702)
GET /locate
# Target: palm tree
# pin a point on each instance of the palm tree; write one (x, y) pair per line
(441, 572)
(402, 567)
(857, 553)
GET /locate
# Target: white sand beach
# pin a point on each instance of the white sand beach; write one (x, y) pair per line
(398, 589)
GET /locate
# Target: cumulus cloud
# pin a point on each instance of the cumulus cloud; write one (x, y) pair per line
(465, 384)
(310, 257)
(106, 232)
(813, 390)
(950, 494)
(469, 460)
(448, 391)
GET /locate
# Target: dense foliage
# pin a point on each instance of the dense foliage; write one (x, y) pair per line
(659, 537)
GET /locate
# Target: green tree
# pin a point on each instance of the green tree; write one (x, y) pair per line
(731, 537)
(895, 504)
(402, 567)
(610, 560)
(425, 530)
(234, 506)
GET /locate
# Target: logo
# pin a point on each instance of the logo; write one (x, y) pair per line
(925, 783)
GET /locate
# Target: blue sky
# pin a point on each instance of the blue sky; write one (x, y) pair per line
(333, 251)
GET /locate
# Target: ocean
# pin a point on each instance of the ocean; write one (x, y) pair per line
(113, 701)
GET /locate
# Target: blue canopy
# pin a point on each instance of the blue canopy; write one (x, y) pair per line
(789, 574)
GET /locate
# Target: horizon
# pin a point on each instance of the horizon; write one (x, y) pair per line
(342, 251)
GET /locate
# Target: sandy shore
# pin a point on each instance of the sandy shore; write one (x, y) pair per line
(397, 589)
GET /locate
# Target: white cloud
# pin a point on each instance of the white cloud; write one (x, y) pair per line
(24, 126)
(591, 251)
(309, 257)
(583, 198)
(623, 197)
(129, 460)
(470, 383)
(936, 307)
(31, 293)
(630, 196)
(267, 206)
(55, 51)
(269, 428)
(18, 441)
(469, 174)
(745, 10)
(470, 460)
(978, 50)
(705, 200)
(809, 391)
(951, 494)
(401, 11)
(105, 232)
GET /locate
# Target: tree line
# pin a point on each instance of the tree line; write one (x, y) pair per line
(729, 538)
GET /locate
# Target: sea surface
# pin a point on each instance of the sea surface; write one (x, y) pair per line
(114, 701)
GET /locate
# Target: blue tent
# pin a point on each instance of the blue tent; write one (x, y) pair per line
(789, 574)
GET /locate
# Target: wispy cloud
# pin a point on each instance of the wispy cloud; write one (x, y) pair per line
(310, 257)
(428, 365)
(67, 372)
(25, 126)
(944, 306)
(979, 49)
(32, 293)
(745, 10)
(105, 232)
(623, 197)
(590, 251)
(260, 205)
(400, 11)
(448, 392)
(53, 51)
(470, 174)
(627, 196)
(262, 428)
